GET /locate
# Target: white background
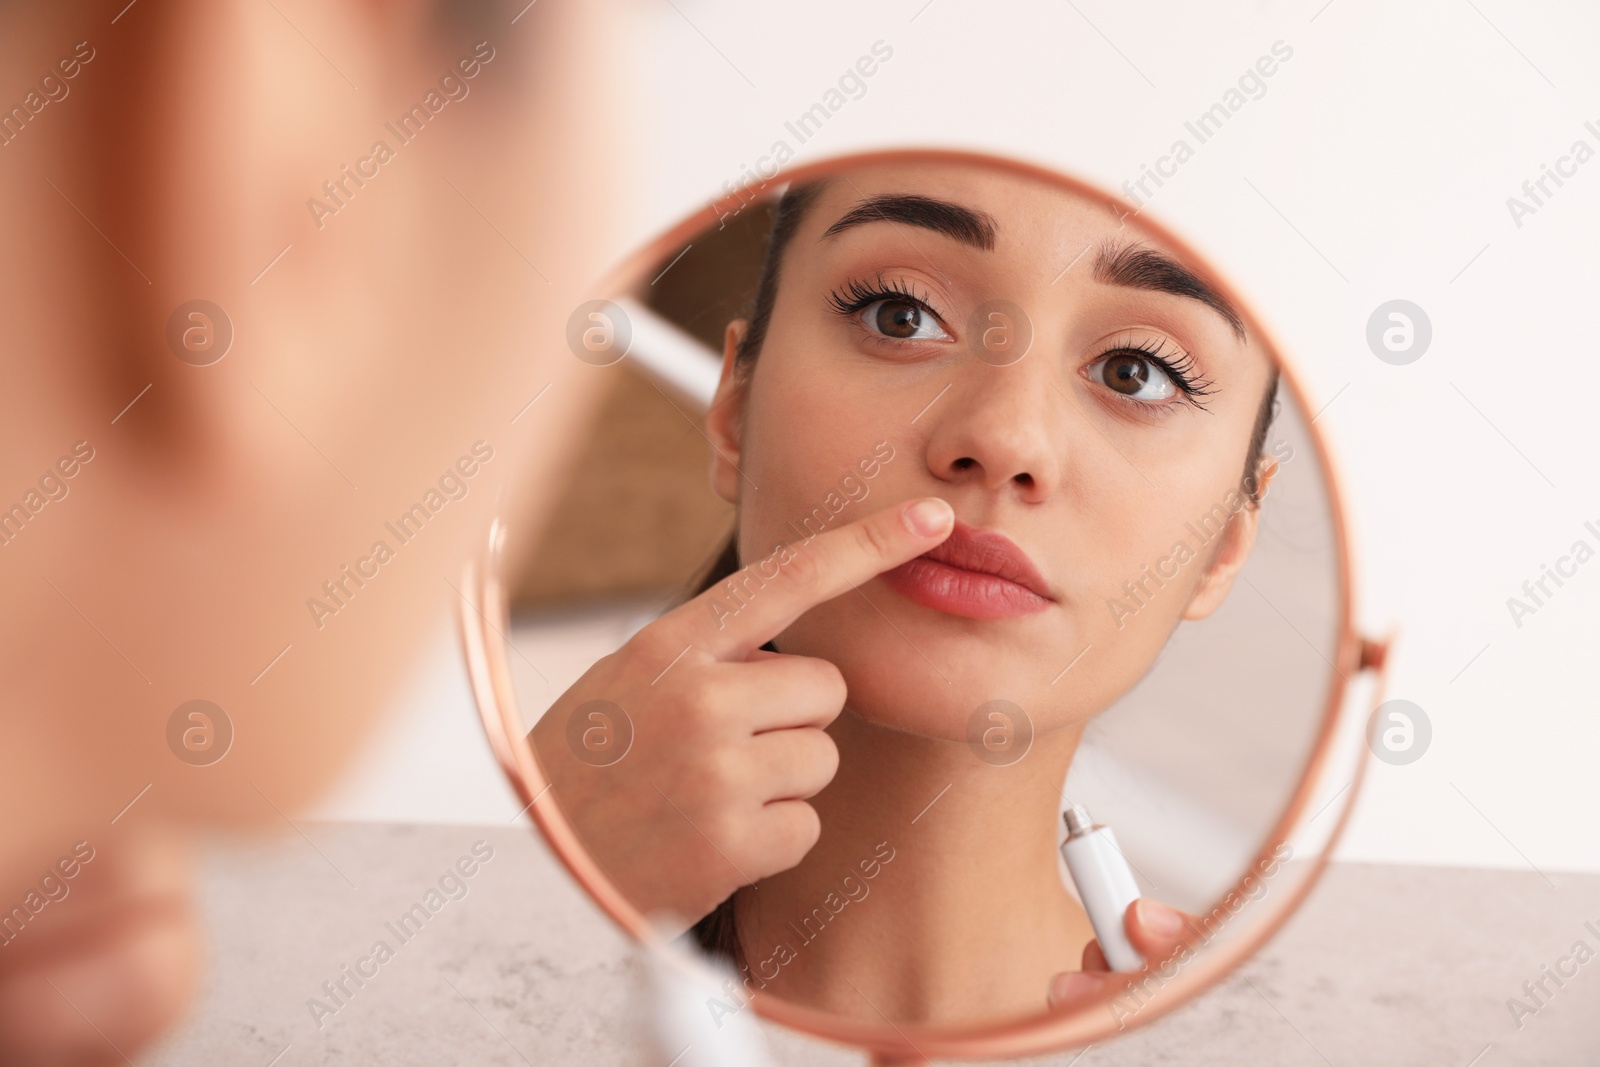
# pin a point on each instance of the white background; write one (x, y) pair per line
(1376, 166)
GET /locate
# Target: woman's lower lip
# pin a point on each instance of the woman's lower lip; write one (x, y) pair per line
(956, 591)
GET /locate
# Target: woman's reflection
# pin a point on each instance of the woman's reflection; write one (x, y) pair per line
(1095, 413)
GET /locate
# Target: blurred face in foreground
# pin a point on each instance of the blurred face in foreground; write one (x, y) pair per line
(280, 278)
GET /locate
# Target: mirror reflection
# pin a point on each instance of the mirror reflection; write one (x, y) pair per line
(961, 590)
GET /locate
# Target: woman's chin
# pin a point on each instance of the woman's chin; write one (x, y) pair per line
(950, 688)
(926, 708)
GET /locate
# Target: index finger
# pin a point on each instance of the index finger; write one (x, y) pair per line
(756, 603)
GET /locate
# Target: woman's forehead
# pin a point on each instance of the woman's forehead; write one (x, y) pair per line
(1022, 226)
(1026, 214)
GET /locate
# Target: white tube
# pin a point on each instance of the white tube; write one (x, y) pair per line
(1104, 883)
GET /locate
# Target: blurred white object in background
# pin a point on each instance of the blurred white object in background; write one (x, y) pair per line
(700, 1015)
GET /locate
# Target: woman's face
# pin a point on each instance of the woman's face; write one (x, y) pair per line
(1095, 479)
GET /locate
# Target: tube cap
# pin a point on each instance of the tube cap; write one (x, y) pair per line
(1078, 820)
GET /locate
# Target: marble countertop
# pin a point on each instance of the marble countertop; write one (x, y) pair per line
(1383, 965)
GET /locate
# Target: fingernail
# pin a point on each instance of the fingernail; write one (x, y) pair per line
(1157, 918)
(1074, 985)
(929, 517)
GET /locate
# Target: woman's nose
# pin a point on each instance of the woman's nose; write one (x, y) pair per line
(997, 431)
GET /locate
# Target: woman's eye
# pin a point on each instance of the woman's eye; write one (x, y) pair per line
(904, 320)
(1134, 376)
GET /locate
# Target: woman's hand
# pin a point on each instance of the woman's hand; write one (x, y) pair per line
(1155, 929)
(727, 740)
(107, 965)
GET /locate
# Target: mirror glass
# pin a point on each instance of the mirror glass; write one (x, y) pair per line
(849, 786)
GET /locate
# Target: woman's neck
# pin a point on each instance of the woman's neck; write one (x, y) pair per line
(934, 892)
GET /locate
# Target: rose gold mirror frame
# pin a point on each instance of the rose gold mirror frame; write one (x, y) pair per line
(484, 626)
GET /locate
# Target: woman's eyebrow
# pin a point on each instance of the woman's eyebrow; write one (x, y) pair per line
(975, 228)
(1141, 267)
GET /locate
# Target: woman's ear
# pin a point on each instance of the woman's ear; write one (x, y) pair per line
(1238, 538)
(726, 416)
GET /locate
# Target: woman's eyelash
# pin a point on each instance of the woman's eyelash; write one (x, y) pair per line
(857, 294)
(1177, 364)
(1174, 362)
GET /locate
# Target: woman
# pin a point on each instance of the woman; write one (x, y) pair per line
(1094, 412)
(178, 329)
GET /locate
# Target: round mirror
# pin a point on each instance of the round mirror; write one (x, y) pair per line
(986, 777)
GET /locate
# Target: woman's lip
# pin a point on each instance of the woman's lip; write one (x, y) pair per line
(956, 591)
(979, 574)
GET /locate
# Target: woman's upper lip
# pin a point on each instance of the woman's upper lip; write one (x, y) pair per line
(989, 552)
